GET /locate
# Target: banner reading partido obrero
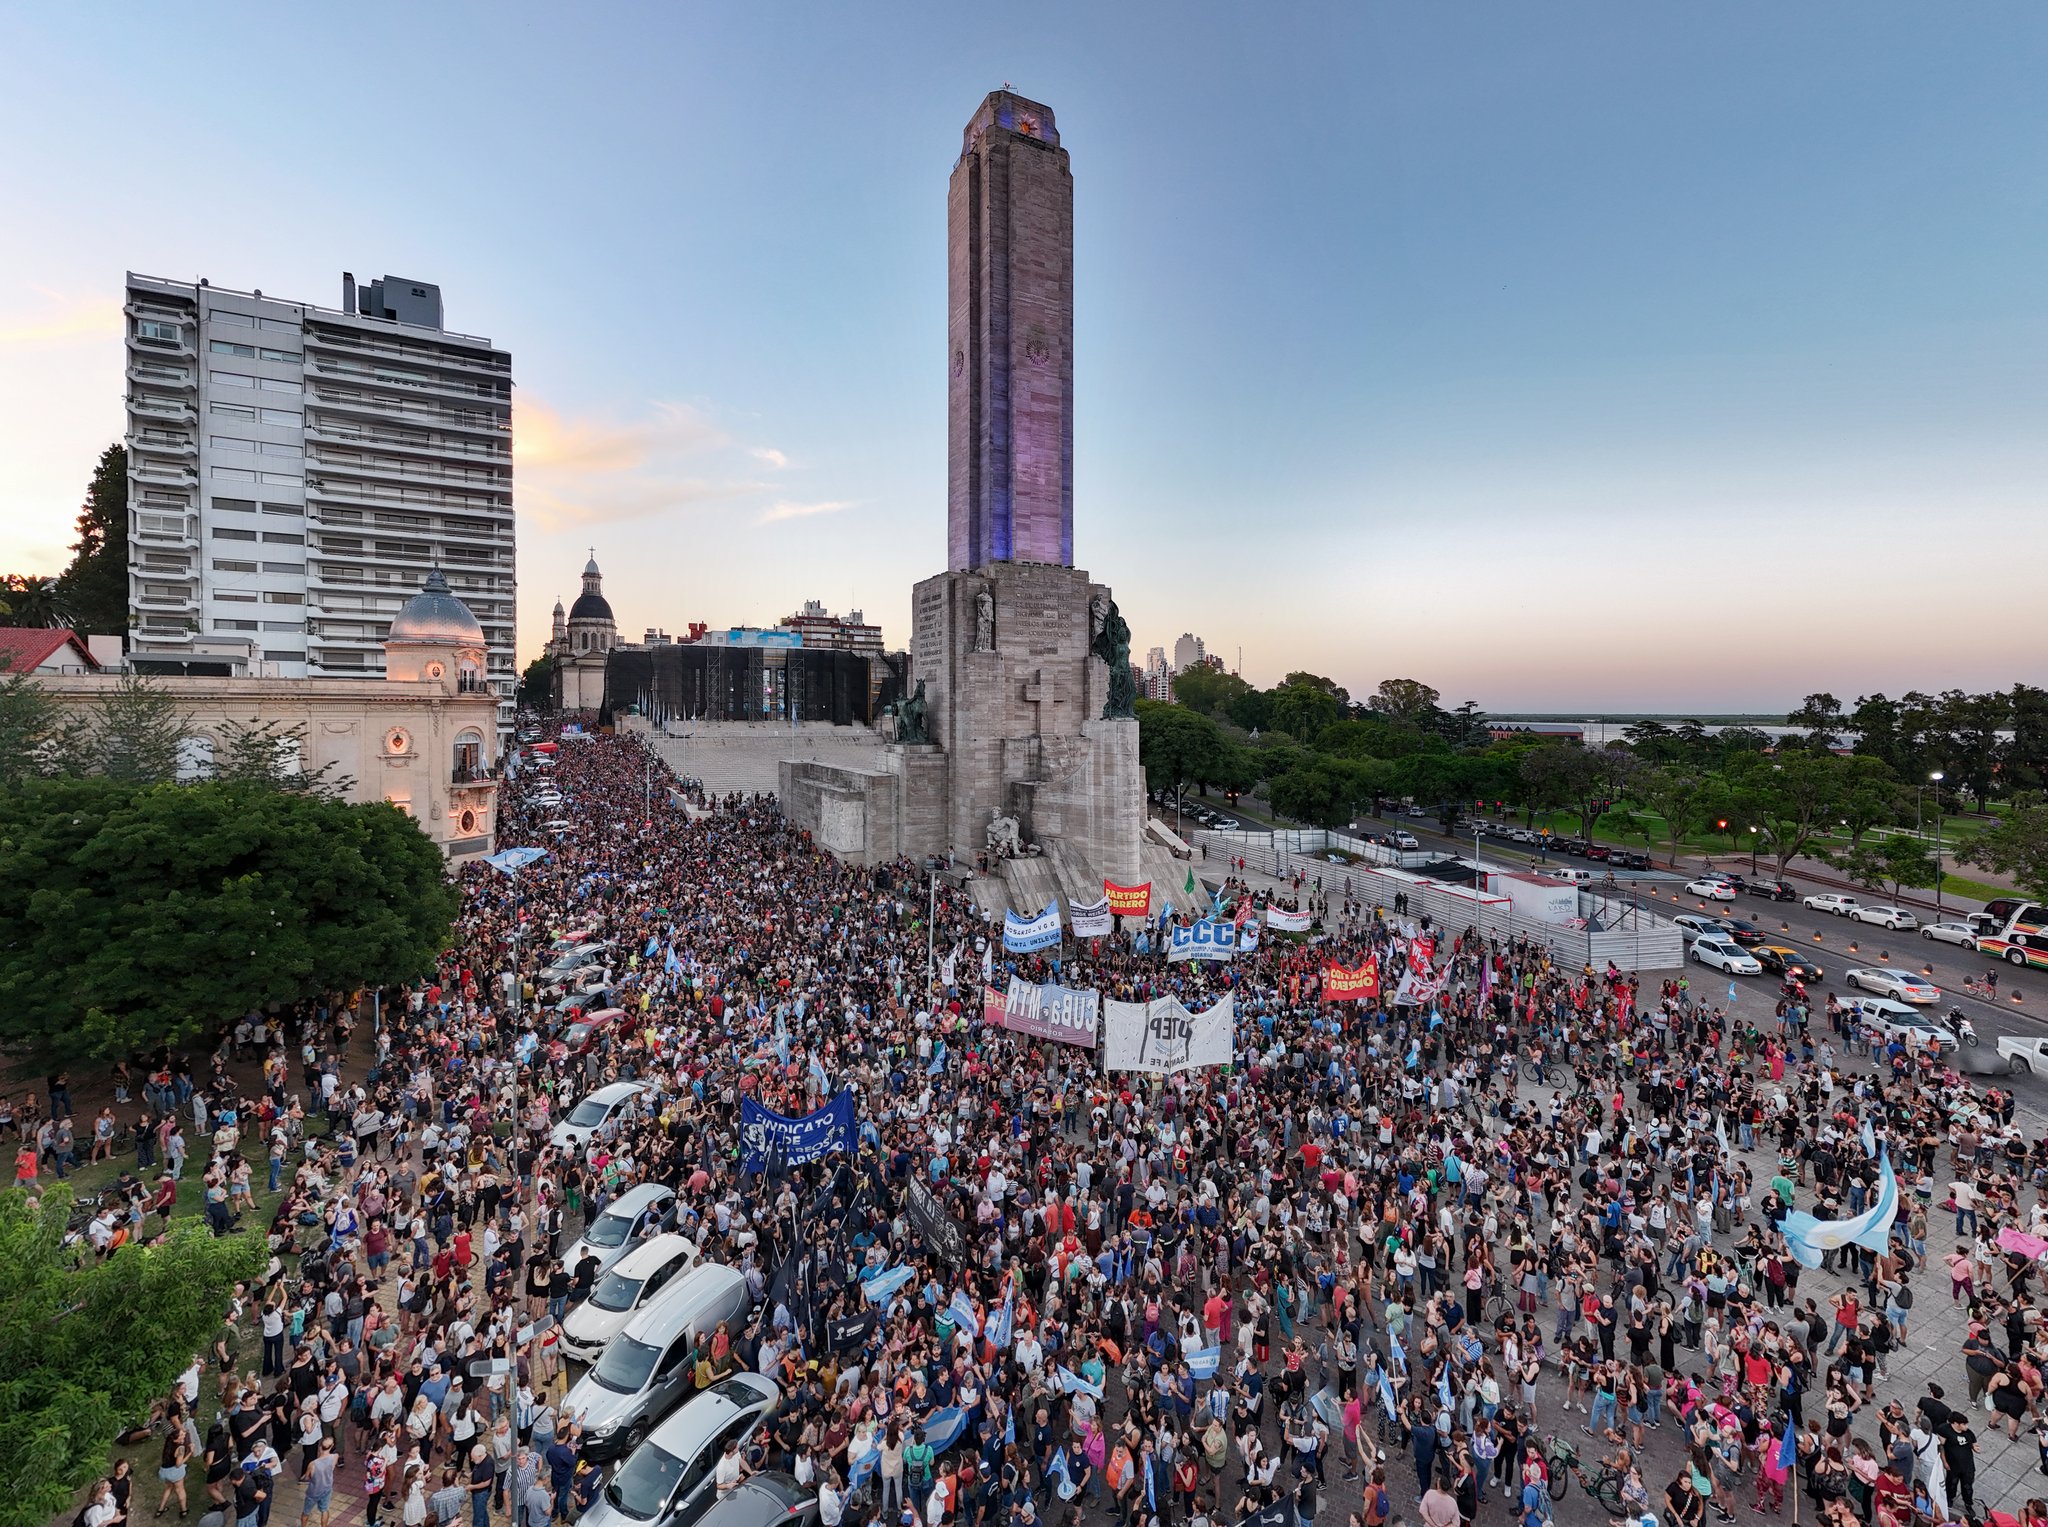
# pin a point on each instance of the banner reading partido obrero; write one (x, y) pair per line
(1361, 984)
(1129, 900)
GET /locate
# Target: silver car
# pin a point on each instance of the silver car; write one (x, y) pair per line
(667, 1480)
(644, 1210)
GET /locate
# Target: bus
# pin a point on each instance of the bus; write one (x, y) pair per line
(2022, 936)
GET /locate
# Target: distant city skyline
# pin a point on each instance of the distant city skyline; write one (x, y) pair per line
(1595, 358)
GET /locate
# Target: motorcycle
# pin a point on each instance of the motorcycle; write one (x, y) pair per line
(1960, 1026)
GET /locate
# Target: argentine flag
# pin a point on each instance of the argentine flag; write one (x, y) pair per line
(864, 1466)
(962, 1311)
(884, 1286)
(1443, 1387)
(1387, 1397)
(943, 1428)
(1072, 1383)
(1001, 1323)
(1202, 1364)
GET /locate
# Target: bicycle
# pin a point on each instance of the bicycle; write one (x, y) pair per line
(1563, 1467)
(1543, 1071)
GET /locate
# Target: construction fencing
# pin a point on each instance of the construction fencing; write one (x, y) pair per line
(1611, 929)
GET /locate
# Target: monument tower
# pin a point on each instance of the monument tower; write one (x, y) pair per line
(1010, 332)
(1018, 739)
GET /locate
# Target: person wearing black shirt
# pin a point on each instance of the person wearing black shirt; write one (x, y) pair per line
(1959, 1457)
(1934, 1409)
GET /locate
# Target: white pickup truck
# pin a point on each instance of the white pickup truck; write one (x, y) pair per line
(2022, 1054)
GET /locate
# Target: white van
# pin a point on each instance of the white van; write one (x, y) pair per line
(643, 1371)
(627, 1287)
(1570, 875)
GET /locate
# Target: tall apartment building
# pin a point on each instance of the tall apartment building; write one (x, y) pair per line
(296, 471)
(1187, 652)
(843, 633)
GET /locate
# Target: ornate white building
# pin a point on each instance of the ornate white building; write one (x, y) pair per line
(580, 642)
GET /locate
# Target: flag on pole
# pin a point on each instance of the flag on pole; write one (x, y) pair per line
(1190, 886)
(963, 1313)
(1072, 1383)
(1788, 1447)
(1387, 1397)
(1001, 1322)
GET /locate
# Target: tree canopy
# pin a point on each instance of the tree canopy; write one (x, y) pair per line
(88, 1345)
(147, 913)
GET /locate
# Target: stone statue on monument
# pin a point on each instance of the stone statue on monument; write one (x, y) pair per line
(1112, 643)
(912, 717)
(984, 619)
(1005, 839)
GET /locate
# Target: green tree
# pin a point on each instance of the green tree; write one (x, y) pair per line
(1329, 687)
(273, 754)
(1250, 709)
(1304, 710)
(1375, 737)
(1890, 862)
(143, 914)
(1973, 723)
(2024, 763)
(32, 601)
(1408, 700)
(35, 733)
(1794, 797)
(1323, 791)
(88, 1345)
(95, 586)
(1821, 715)
(537, 683)
(1178, 749)
(1687, 800)
(1590, 779)
(2018, 846)
(134, 733)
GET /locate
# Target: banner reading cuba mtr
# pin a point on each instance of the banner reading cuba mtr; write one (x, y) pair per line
(1129, 900)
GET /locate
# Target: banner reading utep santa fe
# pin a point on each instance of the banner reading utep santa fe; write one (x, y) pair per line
(1161, 1036)
(765, 1133)
(1360, 985)
(1026, 935)
(1128, 900)
(1209, 940)
(1286, 922)
(1058, 1013)
(1091, 919)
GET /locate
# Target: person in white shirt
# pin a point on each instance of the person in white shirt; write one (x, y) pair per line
(730, 1469)
(831, 1504)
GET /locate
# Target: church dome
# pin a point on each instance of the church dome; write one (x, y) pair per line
(591, 607)
(435, 615)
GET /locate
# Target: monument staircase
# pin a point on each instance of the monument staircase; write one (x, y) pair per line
(1026, 885)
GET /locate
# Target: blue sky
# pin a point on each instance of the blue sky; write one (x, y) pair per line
(1608, 355)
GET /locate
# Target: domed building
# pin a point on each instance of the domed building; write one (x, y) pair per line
(423, 739)
(581, 642)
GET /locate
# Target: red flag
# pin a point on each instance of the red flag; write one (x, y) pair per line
(1362, 984)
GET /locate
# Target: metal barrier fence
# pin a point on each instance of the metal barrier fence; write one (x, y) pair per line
(1631, 937)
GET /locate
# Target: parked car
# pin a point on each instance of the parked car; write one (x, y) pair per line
(1951, 933)
(1710, 888)
(768, 1499)
(667, 1482)
(1629, 858)
(1598, 852)
(1829, 901)
(1892, 983)
(1886, 917)
(1402, 838)
(626, 1288)
(586, 1031)
(1769, 890)
(1726, 955)
(1784, 960)
(643, 1372)
(643, 1210)
(597, 1116)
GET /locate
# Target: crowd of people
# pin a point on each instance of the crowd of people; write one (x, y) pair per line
(1368, 1267)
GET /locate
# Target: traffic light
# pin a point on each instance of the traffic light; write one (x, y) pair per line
(1720, 824)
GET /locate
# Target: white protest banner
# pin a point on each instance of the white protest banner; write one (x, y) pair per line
(1286, 922)
(1026, 935)
(1092, 920)
(1161, 1036)
(1209, 940)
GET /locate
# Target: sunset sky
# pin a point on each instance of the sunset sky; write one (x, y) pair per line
(1603, 356)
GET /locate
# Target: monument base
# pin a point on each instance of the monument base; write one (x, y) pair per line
(1014, 698)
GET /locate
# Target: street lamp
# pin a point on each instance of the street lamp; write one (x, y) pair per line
(1752, 850)
(1936, 778)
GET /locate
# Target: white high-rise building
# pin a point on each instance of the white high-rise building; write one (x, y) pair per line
(1187, 652)
(296, 471)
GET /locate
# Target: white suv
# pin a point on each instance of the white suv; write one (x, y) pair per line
(1828, 901)
(1886, 917)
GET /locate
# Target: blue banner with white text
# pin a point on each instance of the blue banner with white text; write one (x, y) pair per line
(767, 1136)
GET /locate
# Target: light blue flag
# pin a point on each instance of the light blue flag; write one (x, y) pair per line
(938, 1061)
(1731, 991)
(1443, 1387)
(653, 943)
(1203, 1363)
(884, 1286)
(962, 1311)
(1869, 1137)
(1788, 1447)
(1001, 1323)
(1387, 1397)
(1072, 1383)
(943, 1428)
(1808, 1238)
(864, 1466)
(1394, 1350)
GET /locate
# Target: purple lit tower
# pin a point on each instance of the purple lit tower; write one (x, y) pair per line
(1010, 327)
